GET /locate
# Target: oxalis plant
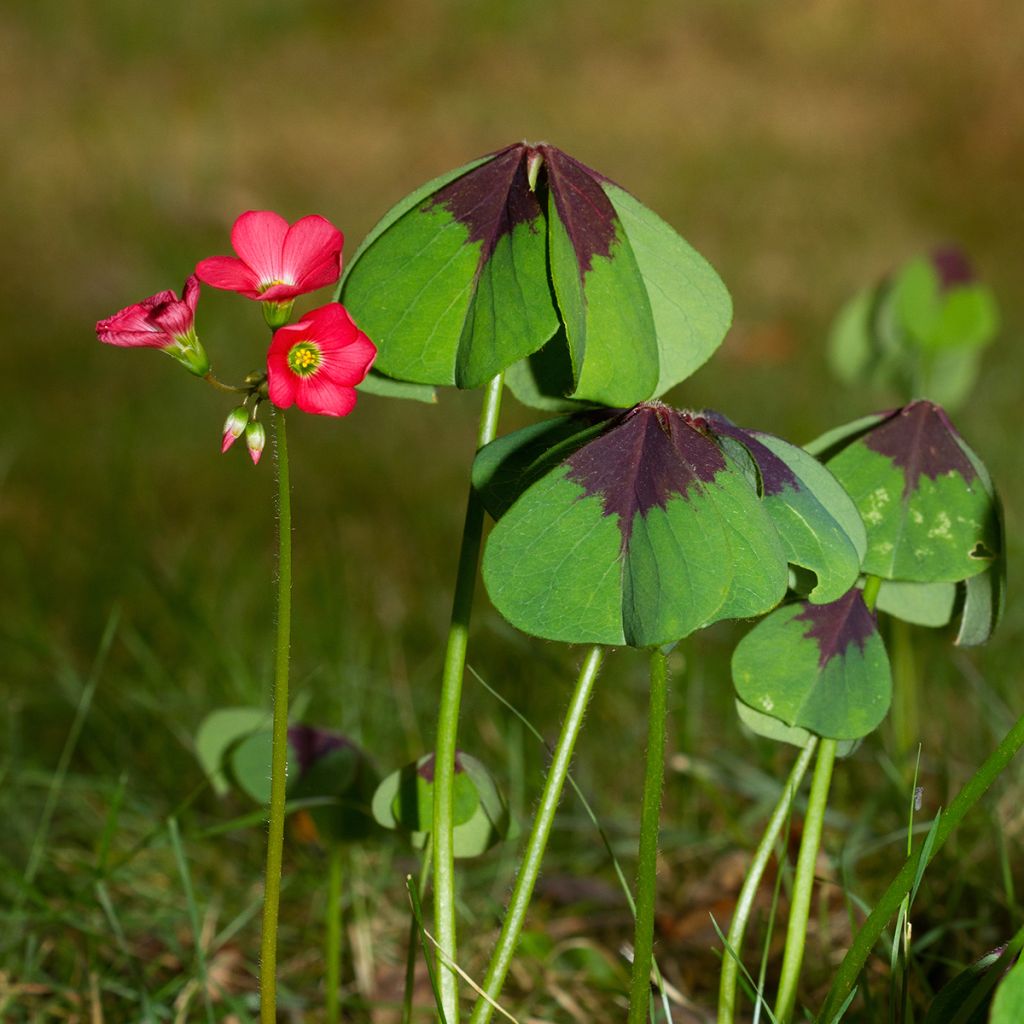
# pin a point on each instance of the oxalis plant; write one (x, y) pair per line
(622, 522)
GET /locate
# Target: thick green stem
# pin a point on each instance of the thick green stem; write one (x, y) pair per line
(865, 939)
(647, 868)
(332, 940)
(448, 720)
(745, 901)
(515, 916)
(279, 753)
(803, 882)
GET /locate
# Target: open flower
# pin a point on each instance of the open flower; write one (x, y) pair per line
(162, 321)
(317, 362)
(276, 261)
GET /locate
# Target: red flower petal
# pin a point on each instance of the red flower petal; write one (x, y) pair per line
(311, 254)
(320, 395)
(258, 237)
(229, 273)
(133, 326)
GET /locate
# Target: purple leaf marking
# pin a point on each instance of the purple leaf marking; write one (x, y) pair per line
(426, 769)
(837, 625)
(776, 476)
(649, 454)
(953, 267)
(492, 199)
(921, 441)
(587, 213)
(310, 744)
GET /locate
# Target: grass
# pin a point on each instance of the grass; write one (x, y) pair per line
(805, 150)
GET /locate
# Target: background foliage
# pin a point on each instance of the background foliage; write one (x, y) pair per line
(804, 148)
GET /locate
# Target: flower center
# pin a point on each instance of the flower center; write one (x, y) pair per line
(267, 285)
(304, 358)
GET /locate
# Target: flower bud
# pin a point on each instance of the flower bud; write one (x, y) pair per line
(234, 426)
(255, 440)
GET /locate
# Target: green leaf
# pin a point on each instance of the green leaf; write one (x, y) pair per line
(528, 258)
(603, 302)
(817, 521)
(377, 384)
(640, 536)
(923, 604)
(453, 288)
(851, 341)
(250, 765)
(690, 305)
(217, 733)
(772, 729)
(1008, 1005)
(832, 441)
(929, 518)
(822, 668)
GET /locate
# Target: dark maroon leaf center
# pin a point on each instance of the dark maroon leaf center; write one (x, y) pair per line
(648, 455)
(921, 441)
(492, 199)
(426, 769)
(837, 625)
(776, 476)
(583, 208)
(953, 267)
(310, 744)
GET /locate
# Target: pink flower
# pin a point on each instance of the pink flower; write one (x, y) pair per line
(317, 362)
(276, 262)
(161, 321)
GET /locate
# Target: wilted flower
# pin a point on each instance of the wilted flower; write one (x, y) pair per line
(317, 362)
(162, 321)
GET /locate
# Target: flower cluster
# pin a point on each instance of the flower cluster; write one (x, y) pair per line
(314, 363)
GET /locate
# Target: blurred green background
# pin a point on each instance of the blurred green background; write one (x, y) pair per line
(804, 148)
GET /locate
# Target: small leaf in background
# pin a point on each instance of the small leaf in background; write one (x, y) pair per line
(942, 305)
(329, 765)
(920, 331)
(822, 668)
(404, 800)
(527, 257)
(375, 383)
(218, 732)
(817, 521)
(250, 765)
(928, 515)
(642, 534)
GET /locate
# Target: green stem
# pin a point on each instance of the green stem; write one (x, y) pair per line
(865, 939)
(515, 916)
(413, 943)
(332, 941)
(279, 751)
(448, 719)
(905, 717)
(647, 868)
(803, 882)
(745, 901)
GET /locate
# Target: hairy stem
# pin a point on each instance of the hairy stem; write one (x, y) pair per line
(279, 752)
(803, 882)
(448, 720)
(647, 868)
(529, 869)
(745, 901)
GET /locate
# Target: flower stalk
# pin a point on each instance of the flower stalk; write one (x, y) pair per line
(448, 719)
(279, 752)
